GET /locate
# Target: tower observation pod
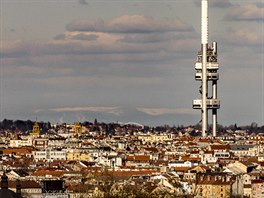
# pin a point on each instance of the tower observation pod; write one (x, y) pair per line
(206, 67)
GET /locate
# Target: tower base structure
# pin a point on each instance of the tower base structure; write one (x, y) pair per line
(208, 79)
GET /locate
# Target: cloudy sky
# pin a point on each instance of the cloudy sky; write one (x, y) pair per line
(127, 60)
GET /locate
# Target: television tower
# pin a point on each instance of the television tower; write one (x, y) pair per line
(206, 67)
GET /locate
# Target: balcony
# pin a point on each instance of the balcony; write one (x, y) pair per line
(210, 103)
(209, 65)
(210, 76)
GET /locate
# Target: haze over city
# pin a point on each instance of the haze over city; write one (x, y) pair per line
(76, 60)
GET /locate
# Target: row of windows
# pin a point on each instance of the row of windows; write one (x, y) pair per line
(221, 155)
(44, 154)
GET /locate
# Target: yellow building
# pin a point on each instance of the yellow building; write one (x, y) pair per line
(36, 130)
(78, 128)
(77, 155)
(212, 187)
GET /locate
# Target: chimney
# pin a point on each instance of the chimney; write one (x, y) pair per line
(18, 188)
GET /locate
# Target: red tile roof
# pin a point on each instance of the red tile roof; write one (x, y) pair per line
(24, 184)
(220, 147)
(16, 151)
(186, 158)
(135, 172)
(52, 172)
(138, 158)
(181, 169)
(257, 181)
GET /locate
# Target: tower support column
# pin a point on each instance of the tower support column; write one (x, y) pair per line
(214, 121)
(204, 90)
(214, 111)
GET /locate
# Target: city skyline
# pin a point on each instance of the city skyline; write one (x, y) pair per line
(127, 61)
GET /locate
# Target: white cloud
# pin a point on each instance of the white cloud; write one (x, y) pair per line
(110, 110)
(163, 111)
(130, 24)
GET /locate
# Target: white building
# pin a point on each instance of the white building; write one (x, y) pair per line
(153, 138)
(24, 141)
(180, 164)
(49, 154)
(208, 157)
(57, 142)
(243, 150)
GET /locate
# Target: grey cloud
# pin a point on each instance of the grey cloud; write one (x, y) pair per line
(249, 12)
(90, 25)
(260, 4)
(80, 48)
(221, 4)
(11, 49)
(130, 24)
(80, 36)
(14, 54)
(143, 63)
(83, 2)
(243, 37)
(60, 37)
(216, 3)
(106, 55)
(155, 37)
(75, 48)
(90, 37)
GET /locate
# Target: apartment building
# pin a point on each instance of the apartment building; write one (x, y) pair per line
(78, 155)
(49, 155)
(257, 188)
